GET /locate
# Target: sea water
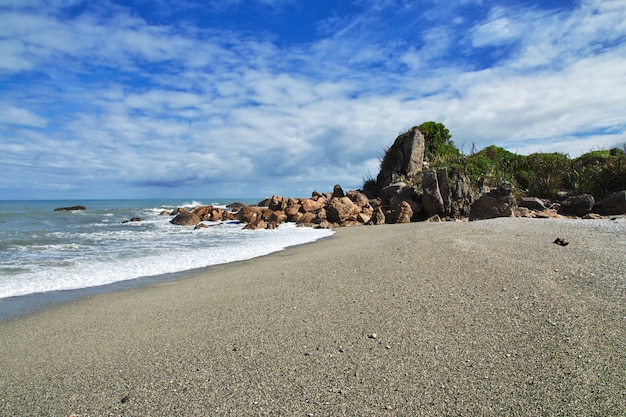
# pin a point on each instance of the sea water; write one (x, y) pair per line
(42, 250)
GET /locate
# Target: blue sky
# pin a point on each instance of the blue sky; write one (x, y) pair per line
(249, 98)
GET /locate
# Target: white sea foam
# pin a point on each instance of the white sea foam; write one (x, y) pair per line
(103, 250)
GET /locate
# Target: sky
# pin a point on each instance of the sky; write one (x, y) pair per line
(251, 98)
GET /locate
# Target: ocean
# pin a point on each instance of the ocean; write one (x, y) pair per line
(46, 251)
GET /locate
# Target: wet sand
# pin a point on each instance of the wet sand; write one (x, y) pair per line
(479, 318)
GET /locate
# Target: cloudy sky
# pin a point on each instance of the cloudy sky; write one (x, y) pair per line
(249, 98)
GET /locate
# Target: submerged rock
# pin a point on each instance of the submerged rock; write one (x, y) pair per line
(72, 208)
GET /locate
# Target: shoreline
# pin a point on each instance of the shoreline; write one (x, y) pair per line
(14, 307)
(19, 306)
(479, 318)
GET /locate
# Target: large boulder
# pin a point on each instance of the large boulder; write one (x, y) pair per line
(308, 205)
(341, 211)
(249, 214)
(447, 195)
(498, 202)
(204, 212)
(405, 158)
(461, 196)
(274, 216)
(432, 201)
(277, 203)
(216, 214)
(306, 219)
(378, 217)
(293, 213)
(613, 204)
(358, 198)
(578, 205)
(255, 224)
(405, 213)
(338, 191)
(398, 201)
(186, 218)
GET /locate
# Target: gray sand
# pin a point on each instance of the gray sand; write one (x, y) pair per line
(484, 318)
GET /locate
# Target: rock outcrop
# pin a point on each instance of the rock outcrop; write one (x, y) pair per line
(612, 205)
(444, 196)
(405, 158)
(498, 202)
(578, 205)
(186, 218)
(72, 208)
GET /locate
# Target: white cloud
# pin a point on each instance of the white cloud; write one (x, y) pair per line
(495, 32)
(12, 115)
(126, 100)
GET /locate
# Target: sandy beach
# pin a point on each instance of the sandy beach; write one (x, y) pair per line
(487, 318)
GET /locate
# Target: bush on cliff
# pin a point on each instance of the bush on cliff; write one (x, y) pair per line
(438, 140)
(599, 173)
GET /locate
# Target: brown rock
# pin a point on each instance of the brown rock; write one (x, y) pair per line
(378, 217)
(306, 219)
(228, 215)
(293, 212)
(277, 216)
(548, 214)
(255, 224)
(499, 202)
(341, 211)
(324, 224)
(204, 212)
(358, 198)
(308, 205)
(216, 214)
(523, 212)
(185, 218)
(434, 219)
(277, 203)
(405, 213)
(363, 217)
(338, 191)
(249, 213)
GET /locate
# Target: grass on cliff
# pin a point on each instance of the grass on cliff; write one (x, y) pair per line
(599, 172)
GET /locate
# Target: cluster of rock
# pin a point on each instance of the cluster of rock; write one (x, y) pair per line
(408, 191)
(577, 205)
(398, 203)
(322, 210)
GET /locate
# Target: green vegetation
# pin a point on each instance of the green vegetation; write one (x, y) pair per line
(438, 141)
(599, 173)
